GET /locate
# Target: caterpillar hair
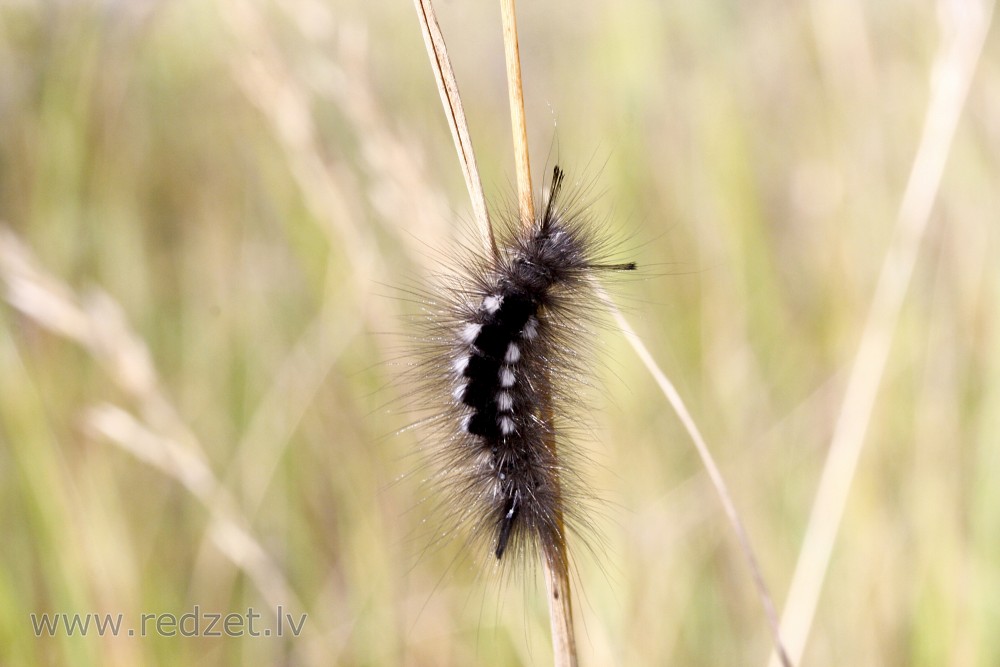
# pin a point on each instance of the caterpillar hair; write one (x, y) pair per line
(504, 353)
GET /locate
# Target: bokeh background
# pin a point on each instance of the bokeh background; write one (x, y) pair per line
(208, 206)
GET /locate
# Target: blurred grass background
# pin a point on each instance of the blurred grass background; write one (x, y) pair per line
(248, 180)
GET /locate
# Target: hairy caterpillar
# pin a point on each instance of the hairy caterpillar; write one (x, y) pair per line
(506, 337)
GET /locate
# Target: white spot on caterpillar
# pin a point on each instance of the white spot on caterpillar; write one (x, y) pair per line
(469, 333)
(530, 330)
(505, 402)
(506, 377)
(510, 512)
(459, 391)
(513, 354)
(506, 425)
(461, 364)
(466, 419)
(491, 304)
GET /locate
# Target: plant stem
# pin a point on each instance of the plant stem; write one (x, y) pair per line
(525, 200)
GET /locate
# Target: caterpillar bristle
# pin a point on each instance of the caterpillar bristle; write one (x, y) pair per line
(503, 353)
(557, 179)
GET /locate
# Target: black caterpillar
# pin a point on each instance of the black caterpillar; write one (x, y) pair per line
(510, 343)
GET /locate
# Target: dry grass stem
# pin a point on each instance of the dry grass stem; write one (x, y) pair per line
(677, 403)
(453, 111)
(557, 586)
(525, 196)
(964, 25)
(555, 566)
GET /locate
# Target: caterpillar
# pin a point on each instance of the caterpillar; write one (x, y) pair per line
(506, 343)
